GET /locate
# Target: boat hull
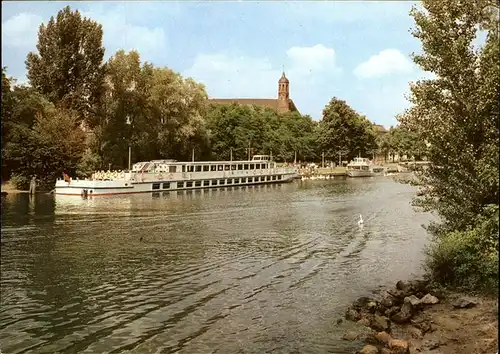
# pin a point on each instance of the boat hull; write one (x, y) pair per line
(369, 173)
(97, 188)
(359, 173)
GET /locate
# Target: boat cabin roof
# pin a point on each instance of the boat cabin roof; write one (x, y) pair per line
(261, 158)
(363, 160)
(171, 162)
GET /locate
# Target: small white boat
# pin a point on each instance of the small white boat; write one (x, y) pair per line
(363, 167)
(170, 175)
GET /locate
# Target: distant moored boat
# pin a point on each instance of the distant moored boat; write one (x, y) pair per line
(362, 167)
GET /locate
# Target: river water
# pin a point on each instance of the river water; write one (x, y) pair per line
(266, 269)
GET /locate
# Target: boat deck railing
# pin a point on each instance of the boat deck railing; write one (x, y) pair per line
(113, 177)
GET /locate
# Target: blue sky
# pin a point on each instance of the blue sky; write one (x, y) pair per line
(356, 51)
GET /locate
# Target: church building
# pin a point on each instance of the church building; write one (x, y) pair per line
(282, 104)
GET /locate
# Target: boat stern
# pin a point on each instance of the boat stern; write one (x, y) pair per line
(88, 188)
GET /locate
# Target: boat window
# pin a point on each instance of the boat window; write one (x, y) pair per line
(172, 169)
(240, 167)
(221, 182)
(166, 185)
(156, 186)
(226, 167)
(198, 168)
(206, 168)
(197, 184)
(245, 166)
(213, 168)
(189, 184)
(214, 182)
(233, 167)
(263, 165)
(252, 166)
(206, 183)
(279, 177)
(229, 181)
(190, 168)
(274, 178)
(220, 167)
(183, 168)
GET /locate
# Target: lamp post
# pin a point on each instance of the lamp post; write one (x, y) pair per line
(129, 122)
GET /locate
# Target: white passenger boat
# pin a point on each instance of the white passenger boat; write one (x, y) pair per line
(362, 167)
(170, 175)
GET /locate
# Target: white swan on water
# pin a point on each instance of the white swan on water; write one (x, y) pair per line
(360, 221)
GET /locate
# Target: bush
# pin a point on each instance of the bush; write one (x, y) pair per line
(467, 259)
(21, 182)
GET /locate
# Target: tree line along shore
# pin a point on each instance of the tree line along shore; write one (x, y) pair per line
(79, 114)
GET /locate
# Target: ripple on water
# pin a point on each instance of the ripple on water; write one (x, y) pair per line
(253, 270)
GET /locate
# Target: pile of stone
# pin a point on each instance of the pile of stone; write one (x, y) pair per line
(402, 306)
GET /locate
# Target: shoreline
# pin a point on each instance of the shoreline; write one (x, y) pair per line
(8, 188)
(414, 318)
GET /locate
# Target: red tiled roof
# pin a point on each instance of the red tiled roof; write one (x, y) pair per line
(266, 102)
(380, 128)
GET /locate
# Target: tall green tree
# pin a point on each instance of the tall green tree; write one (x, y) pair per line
(240, 127)
(7, 106)
(126, 116)
(343, 130)
(68, 67)
(24, 105)
(457, 113)
(55, 143)
(299, 136)
(178, 107)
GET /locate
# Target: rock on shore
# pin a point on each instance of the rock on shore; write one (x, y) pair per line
(411, 318)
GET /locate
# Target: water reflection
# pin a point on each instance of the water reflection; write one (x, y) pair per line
(252, 269)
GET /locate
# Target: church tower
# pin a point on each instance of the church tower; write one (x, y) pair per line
(283, 94)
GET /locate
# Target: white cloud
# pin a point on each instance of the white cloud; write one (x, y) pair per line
(151, 43)
(240, 76)
(21, 30)
(228, 76)
(317, 58)
(386, 62)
